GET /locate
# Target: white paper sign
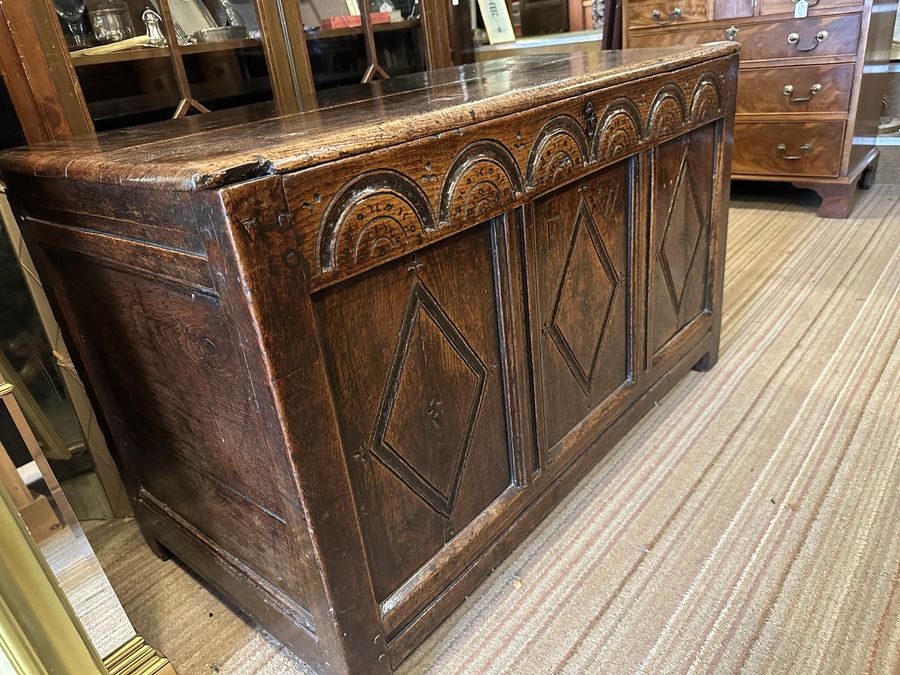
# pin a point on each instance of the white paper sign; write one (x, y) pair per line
(496, 21)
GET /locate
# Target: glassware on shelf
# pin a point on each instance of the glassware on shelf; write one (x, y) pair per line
(232, 16)
(72, 12)
(220, 34)
(247, 12)
(111, 21)
(153, 24)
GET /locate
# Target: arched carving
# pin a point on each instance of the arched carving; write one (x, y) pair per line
(706, 102)
(619, 132)
(560, 150)
(371, 216)
(667, 112)
(483, 177)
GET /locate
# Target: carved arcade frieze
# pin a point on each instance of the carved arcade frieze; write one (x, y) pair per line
(484, 171)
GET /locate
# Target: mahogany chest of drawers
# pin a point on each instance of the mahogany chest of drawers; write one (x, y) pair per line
(350, 358)
(810, 88)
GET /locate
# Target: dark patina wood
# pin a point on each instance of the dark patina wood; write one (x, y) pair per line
(349, 358)
(811, 86)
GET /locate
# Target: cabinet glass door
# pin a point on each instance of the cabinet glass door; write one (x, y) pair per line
(125, 67)
(336, 43)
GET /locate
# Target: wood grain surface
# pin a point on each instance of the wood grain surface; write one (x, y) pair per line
(349, 375)
(183, 159)
(762, 90)
(666, 13)
(756, 148)
(819, 64)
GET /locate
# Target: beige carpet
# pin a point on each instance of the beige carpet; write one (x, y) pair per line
(750, 523)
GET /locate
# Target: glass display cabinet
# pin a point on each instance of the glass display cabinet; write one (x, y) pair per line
(111, 64)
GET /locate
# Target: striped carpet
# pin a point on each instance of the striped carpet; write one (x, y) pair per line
(750, 523)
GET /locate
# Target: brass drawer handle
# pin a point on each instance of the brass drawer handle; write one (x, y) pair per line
(674, 14)
(789, 92)
(794, 39)
(731, 32)
(805, 149)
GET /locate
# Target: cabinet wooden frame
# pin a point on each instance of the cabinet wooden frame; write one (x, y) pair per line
(840, 45)
(50, 105)
(278, 313)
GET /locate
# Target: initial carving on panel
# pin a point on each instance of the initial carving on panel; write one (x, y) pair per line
(430, 403)
(706, 102)
(682, 234)
(619, 132)
(560, 150)
(371, 216)
(483, 179)
(667, 112)
(584, 299)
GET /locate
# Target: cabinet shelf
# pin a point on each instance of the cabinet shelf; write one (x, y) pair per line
(205, 91)
(357, 30)
(83, 90)
(79, 59)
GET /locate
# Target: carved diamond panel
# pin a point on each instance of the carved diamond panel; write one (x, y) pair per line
(584, 299)
(431, 401)
(682, 233)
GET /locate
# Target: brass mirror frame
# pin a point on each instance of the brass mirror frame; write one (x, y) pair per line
(39, 630)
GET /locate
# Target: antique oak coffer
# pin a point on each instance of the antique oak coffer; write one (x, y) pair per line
(350, 358)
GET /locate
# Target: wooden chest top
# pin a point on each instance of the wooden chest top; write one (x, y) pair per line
(220, 148)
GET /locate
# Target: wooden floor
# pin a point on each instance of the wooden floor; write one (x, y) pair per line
(748, 524)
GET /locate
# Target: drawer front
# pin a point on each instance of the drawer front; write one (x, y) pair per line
(672, 12)
(787, 148)
(795, 89)
(681, 36)
(733, 9)
(824, 36)
(787, 6)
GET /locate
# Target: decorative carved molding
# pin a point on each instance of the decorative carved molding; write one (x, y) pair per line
(483, 179)
(384, 213)
(370, 216)
(561, 149)
(587, 255)
(668, 112)
(430, 347)
(619, 132)
(681, 235)
(590, 118)
(706, 102)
